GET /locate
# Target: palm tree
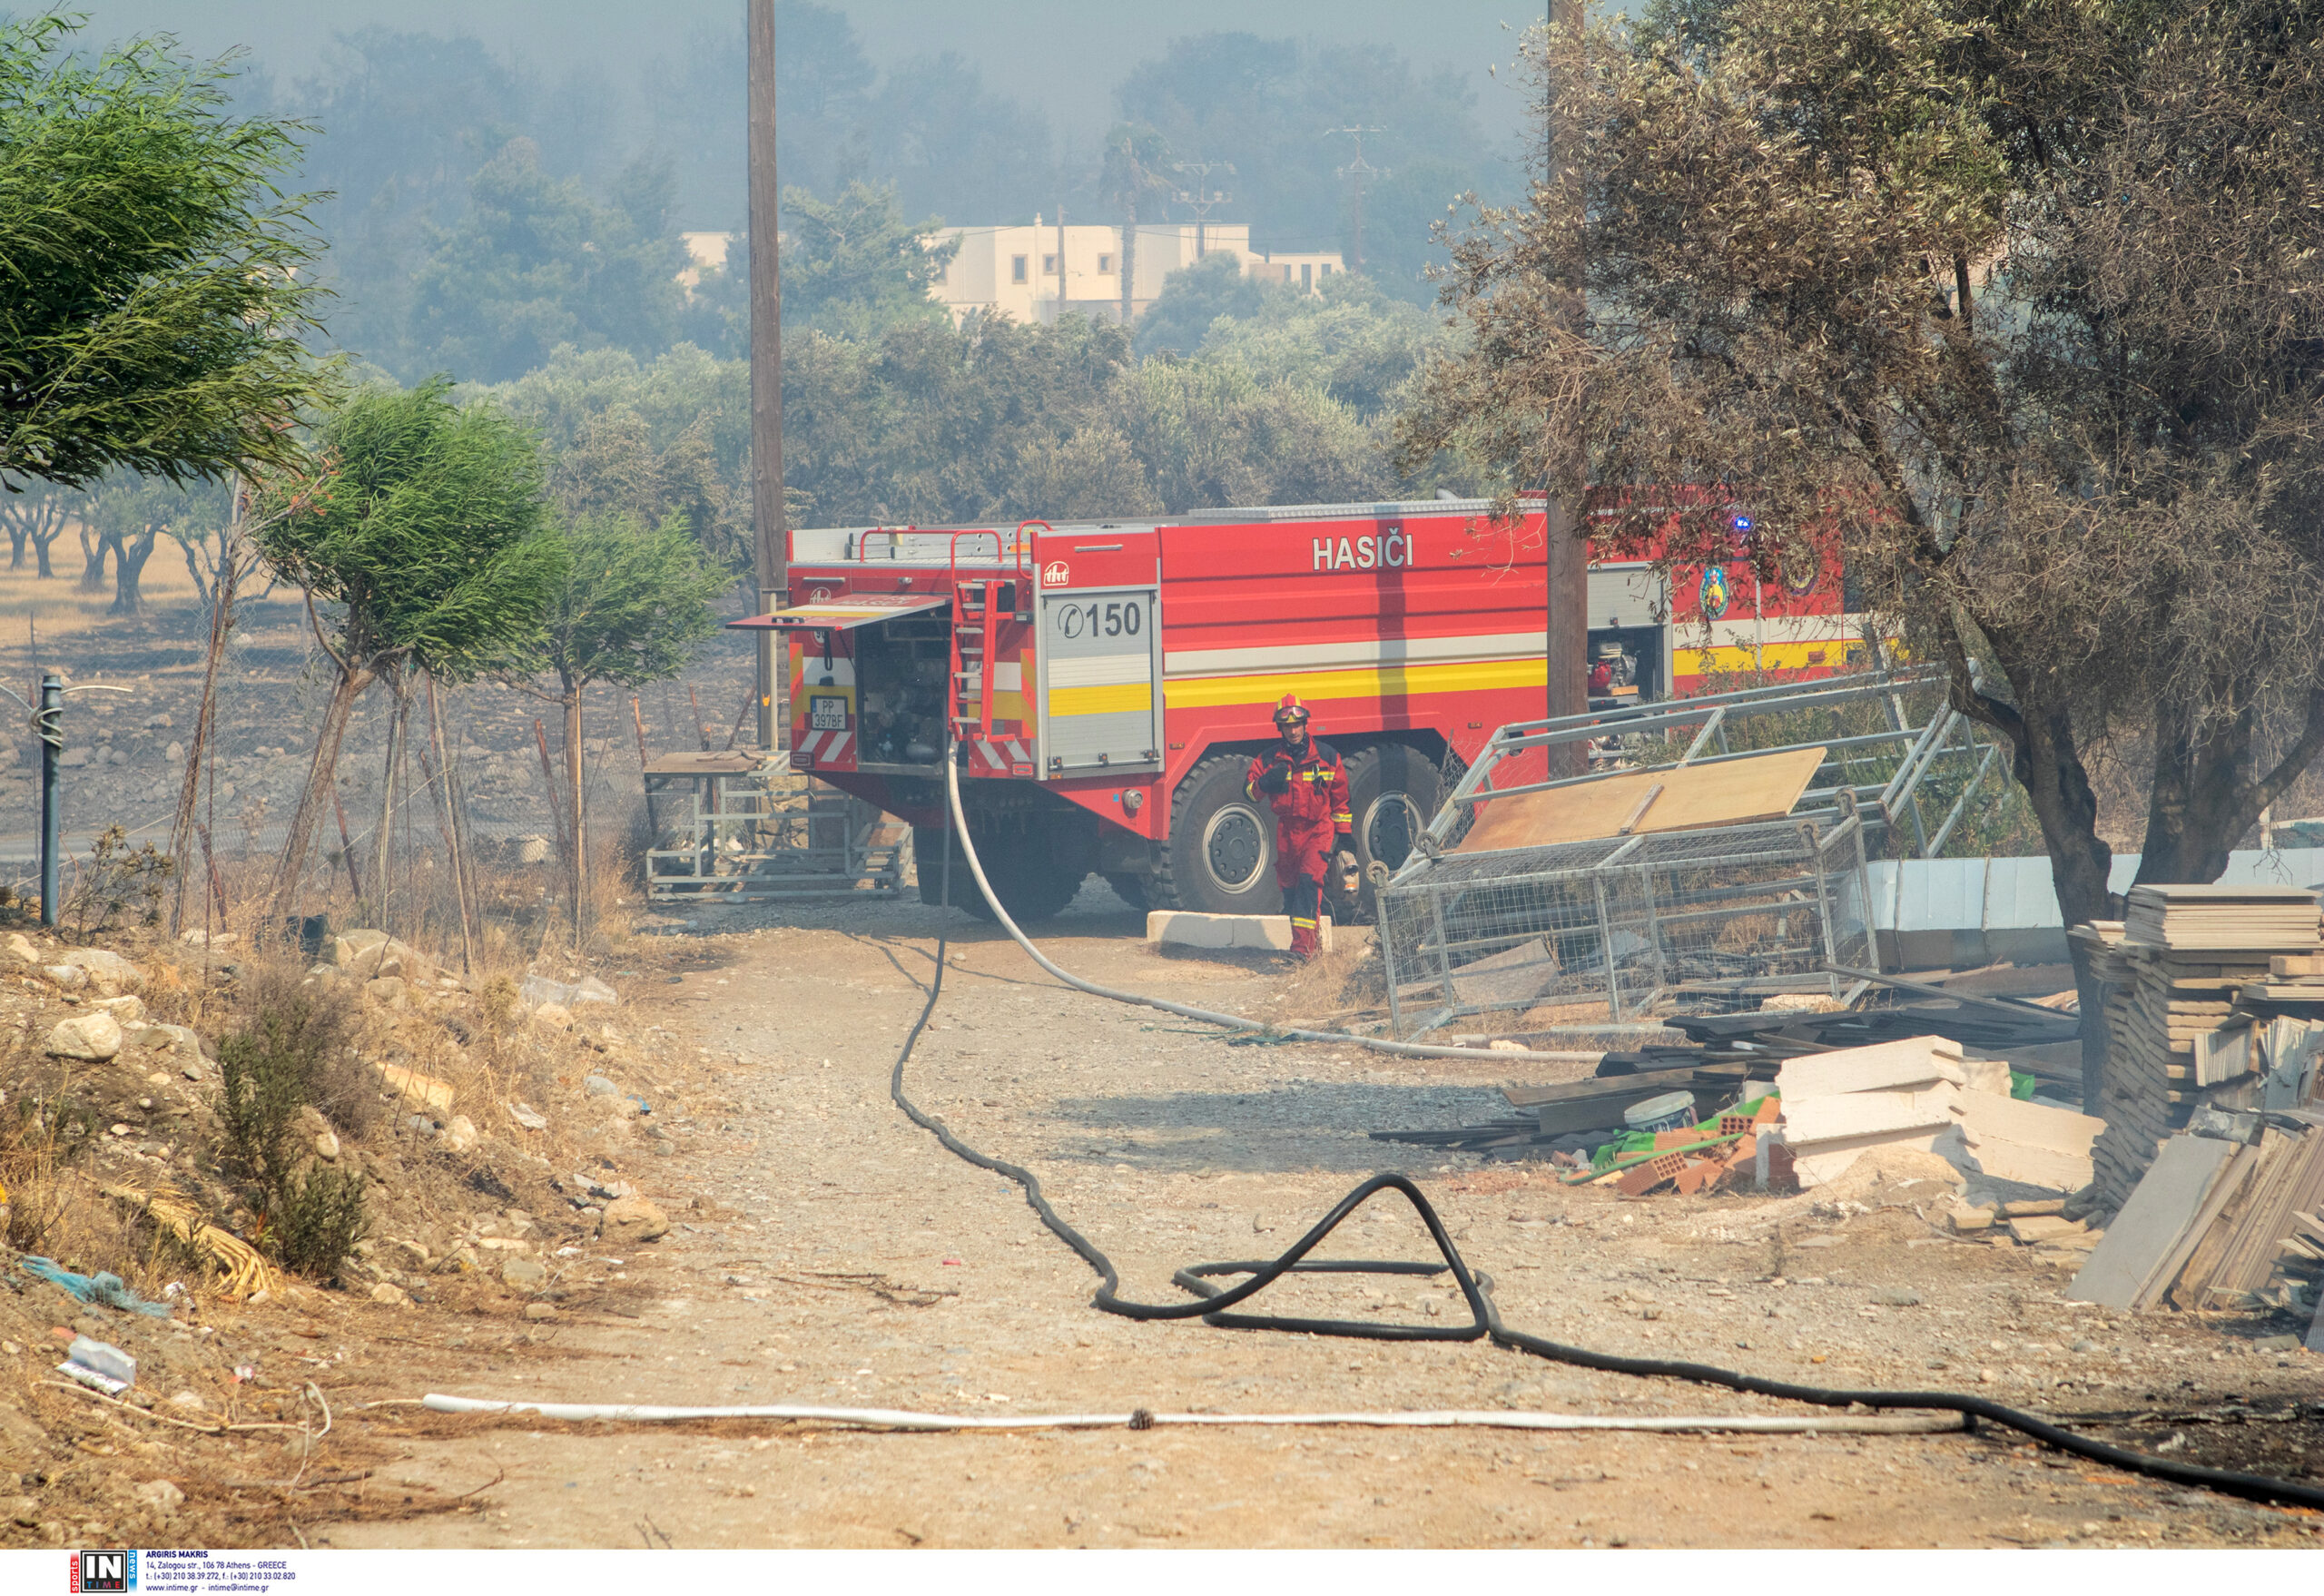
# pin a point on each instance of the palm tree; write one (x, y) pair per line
(1136, 158)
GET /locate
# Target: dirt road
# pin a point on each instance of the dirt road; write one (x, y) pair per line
(827, 1251)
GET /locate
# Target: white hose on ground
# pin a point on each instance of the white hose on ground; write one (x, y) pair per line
(882, 1418)
(1212, 1016)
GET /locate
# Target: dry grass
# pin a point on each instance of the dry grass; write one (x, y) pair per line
(61, 608)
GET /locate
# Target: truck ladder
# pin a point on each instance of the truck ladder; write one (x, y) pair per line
(978, 614)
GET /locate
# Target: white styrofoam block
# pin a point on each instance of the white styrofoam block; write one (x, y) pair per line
(1865, 1116)
(1985, 1075)
(1260, 932)
(1824, 1163)
(1910, 1064)
(1987, 1118)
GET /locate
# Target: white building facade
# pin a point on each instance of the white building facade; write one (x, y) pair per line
(1034, 273)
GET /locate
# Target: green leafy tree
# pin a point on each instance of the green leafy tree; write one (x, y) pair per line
(154, 282)
(35, 517)
(1262, 105)
(1195, 297)
(853, 266)
(1351, 338)
(421, 526)
(535, 263)
(130, 515)
(629, 606)
(671, 437)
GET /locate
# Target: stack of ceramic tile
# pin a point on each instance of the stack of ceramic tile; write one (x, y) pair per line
(2173, 971)
(2271, 919)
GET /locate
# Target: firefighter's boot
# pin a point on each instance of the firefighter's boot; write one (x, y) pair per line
(1306, 944)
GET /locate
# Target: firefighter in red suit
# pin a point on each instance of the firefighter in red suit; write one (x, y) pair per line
(1306, 785)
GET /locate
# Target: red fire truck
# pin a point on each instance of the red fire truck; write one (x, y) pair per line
(1686, 611)
(1109, 683)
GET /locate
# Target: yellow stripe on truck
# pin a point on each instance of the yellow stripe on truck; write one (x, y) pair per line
(1383, 682)
(1128, 697)
(1772, 656)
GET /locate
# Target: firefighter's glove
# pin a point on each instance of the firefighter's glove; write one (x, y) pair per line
(1275, 779)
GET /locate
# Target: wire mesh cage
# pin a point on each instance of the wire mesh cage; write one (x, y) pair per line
(1624, 927)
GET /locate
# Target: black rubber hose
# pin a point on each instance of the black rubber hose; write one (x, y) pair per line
(1211, 1301)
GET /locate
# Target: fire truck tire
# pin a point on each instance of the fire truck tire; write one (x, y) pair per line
(1393, 791)
(1031, 885)
(1220, 858)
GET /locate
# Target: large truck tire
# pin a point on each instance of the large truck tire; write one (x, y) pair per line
(1393, 791)
(1220, 855)
(1031, 884)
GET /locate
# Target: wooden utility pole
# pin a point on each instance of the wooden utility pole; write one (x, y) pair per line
(1564, 528)
(766, 367)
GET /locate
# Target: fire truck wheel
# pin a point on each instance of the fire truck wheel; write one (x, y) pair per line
(1031, 885)
(1393, 791)
(1220, 858)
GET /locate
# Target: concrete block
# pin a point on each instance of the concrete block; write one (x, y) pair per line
(1186, 927)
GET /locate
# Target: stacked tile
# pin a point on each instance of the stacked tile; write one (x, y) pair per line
(2174, 970)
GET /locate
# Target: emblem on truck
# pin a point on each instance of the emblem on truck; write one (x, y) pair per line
(1056, 574)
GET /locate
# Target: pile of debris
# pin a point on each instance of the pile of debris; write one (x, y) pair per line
(2216, 1026)
(1714, 1126)
(2180, 1030)
(2226, 1218)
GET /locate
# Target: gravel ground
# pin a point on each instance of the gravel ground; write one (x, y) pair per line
(827, 1251)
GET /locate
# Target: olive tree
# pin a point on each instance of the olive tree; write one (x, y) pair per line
(2021, 302)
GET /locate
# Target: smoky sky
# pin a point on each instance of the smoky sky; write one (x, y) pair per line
(1064, 56)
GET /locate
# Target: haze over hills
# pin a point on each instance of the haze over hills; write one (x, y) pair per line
(461, 142)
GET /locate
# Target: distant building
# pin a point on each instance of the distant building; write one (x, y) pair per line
(705, 252)
(1015, 271)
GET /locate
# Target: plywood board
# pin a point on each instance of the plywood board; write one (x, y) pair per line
(1730, 793)
(2146, 1233)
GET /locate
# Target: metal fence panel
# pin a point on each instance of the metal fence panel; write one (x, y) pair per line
(1627, 926)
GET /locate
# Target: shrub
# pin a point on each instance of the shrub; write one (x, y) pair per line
(317, 1222)
(287, 1056)
(118, 880)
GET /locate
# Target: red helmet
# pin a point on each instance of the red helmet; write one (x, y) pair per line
(1290, 712)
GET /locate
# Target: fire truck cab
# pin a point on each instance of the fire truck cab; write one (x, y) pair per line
(1106, 683)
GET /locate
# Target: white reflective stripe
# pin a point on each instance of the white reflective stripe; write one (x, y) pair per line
(1101, 670)
(1235, 662)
